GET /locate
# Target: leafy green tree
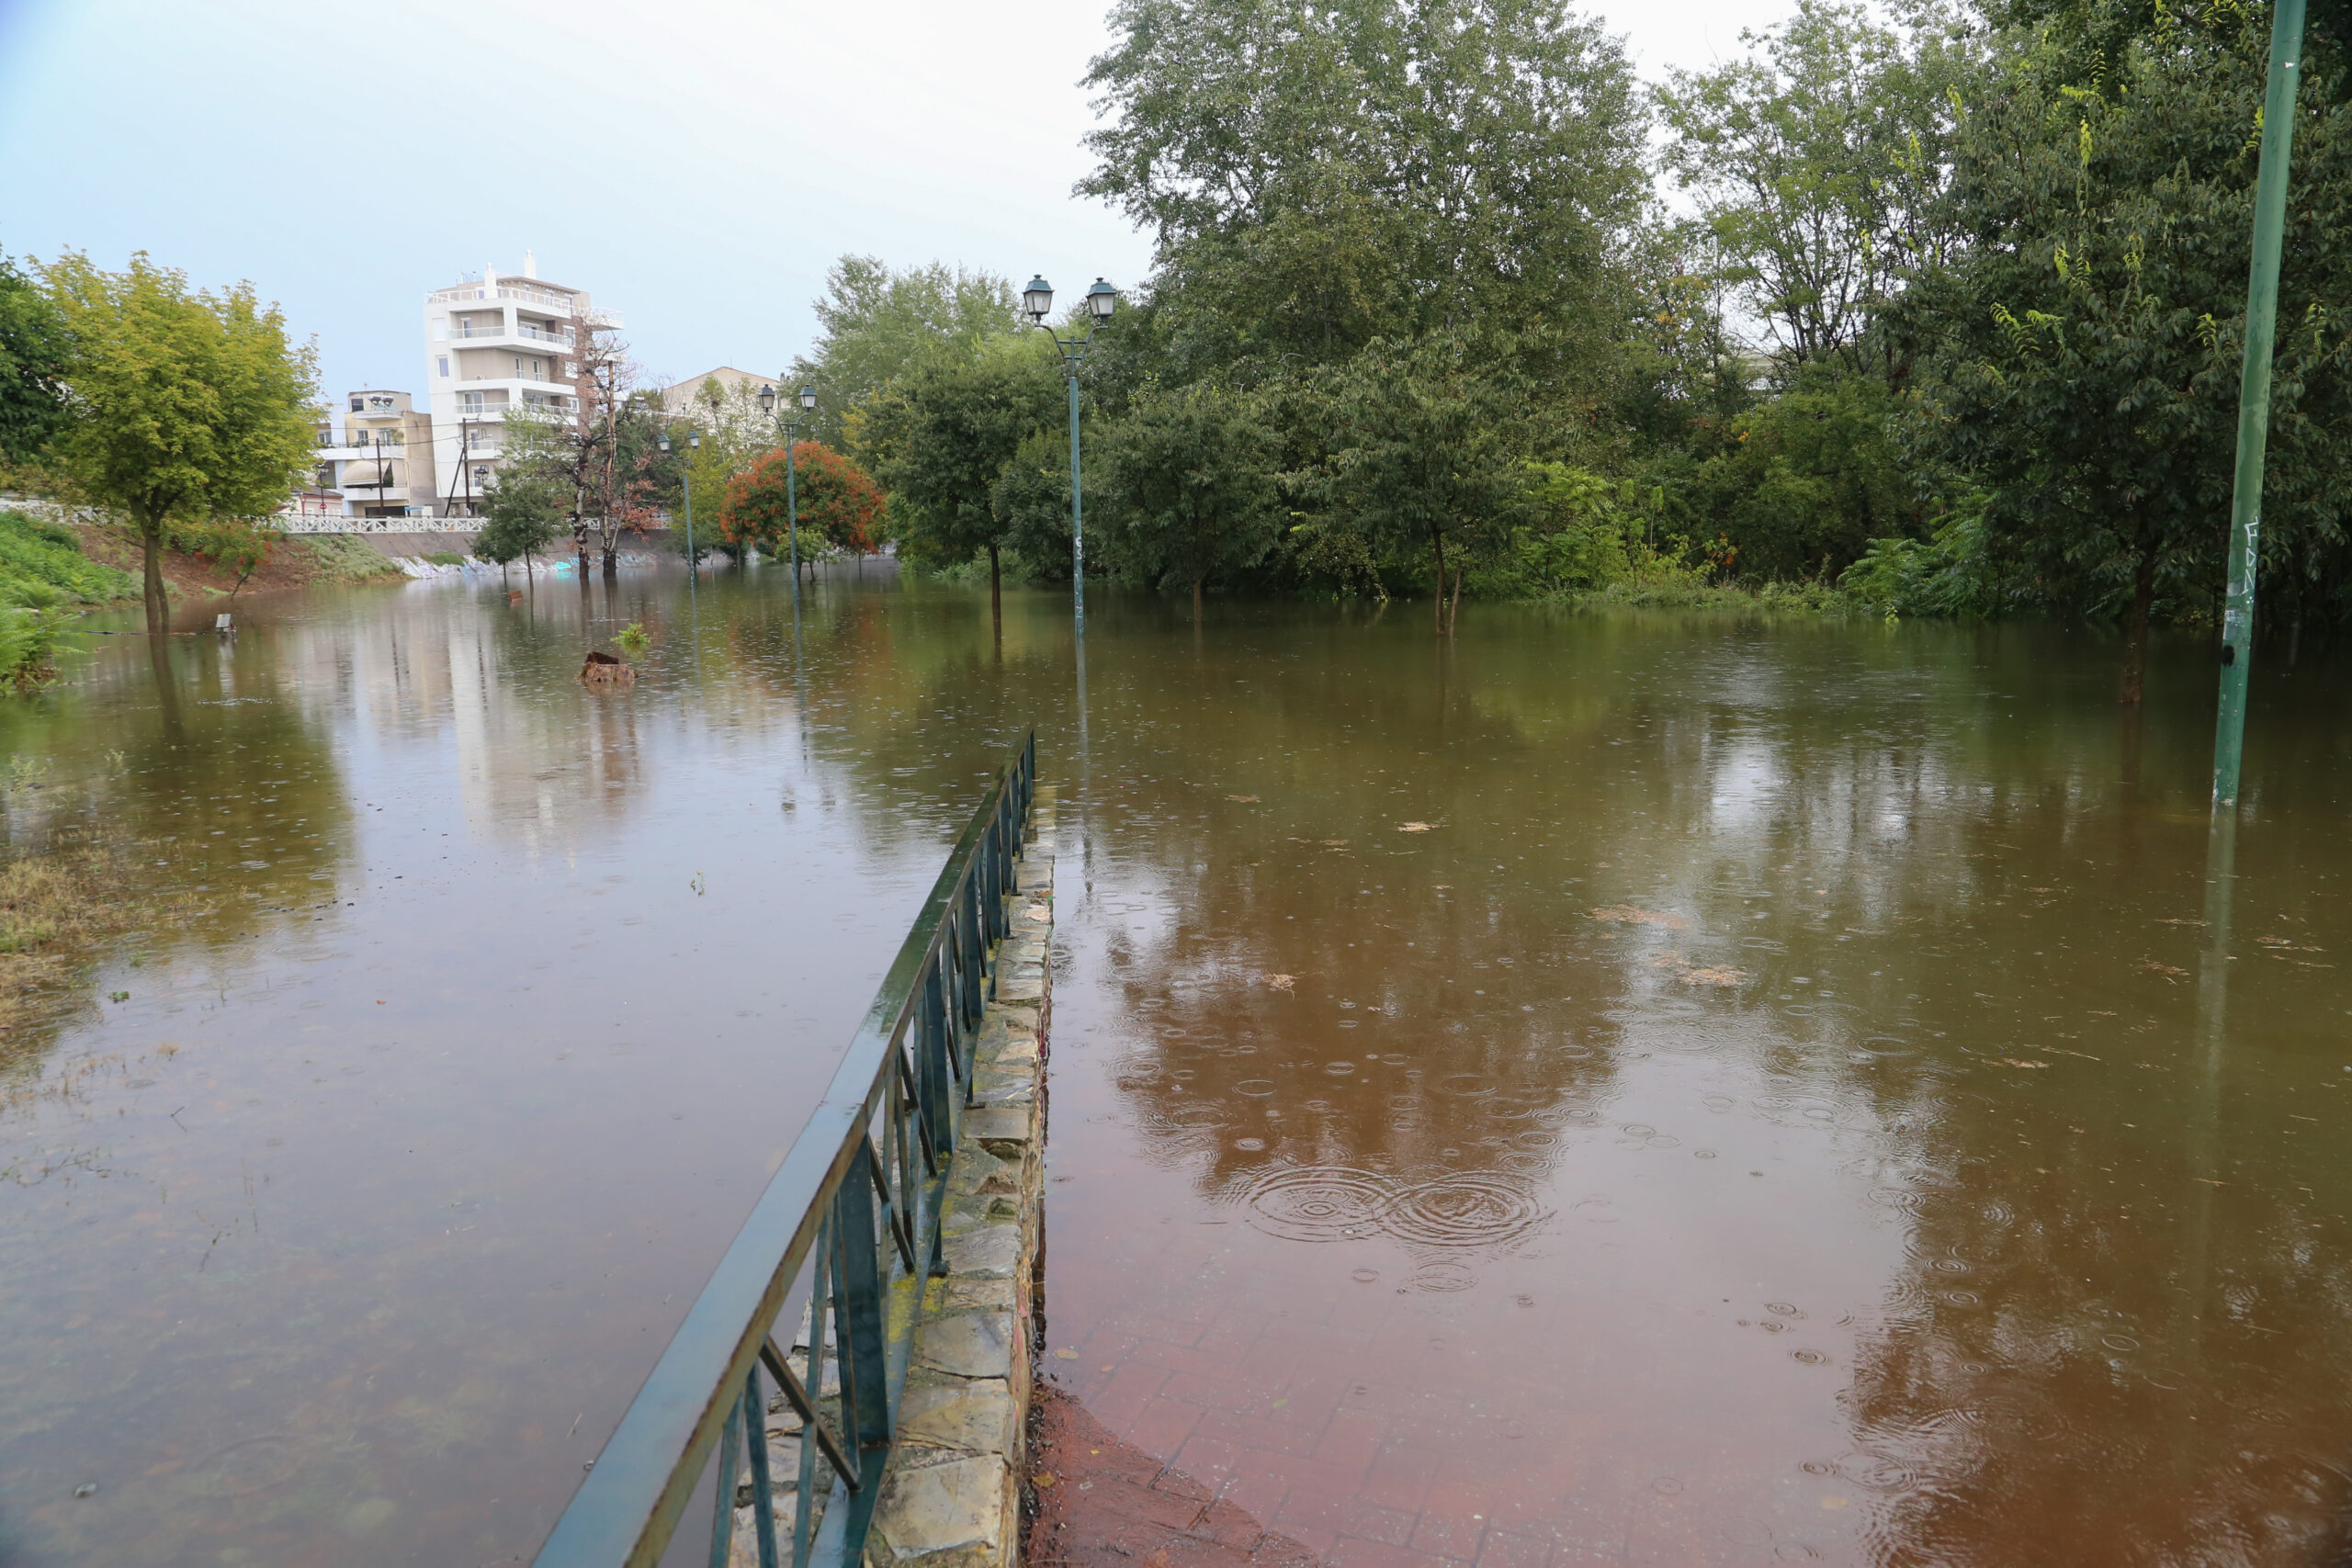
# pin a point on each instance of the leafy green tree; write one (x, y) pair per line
(1424, 451)
(1318, 176)
(32, 359)
(182, 405)
(1810, 477)
(1190, 474)
(876, 324)
(2086, 343)
(1030, 503)
(1820, 164)
(939, 440)
(522, 515)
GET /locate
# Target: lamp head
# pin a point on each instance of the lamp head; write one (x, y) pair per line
(808, 400)
(664, 442)
(1037, 300)
(767, 399)
(693, 439)
(1102, 300)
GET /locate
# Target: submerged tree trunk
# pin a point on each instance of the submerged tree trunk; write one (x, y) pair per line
(996, 589)
(159, 605)
(1437, 542)
(1196, 604)
(1453, 614)
(2135, 647)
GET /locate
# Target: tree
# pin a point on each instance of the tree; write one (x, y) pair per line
(1809, 478)
(840, 508)
(32, 361)
(941, 438)
(2086, 344)
(602, 451)
(874, 325)
(1190, 476)
(1317, 176)
(1821, 167)
(1423, 450)
(523, 513)
(182, 405)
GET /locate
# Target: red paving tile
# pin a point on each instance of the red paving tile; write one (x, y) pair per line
(1370, 1521)
(1100, 1502)
(1353, 1437)
(1501, 1551)
(1164, 1426)
(1354, 1552)
(1401, 1478)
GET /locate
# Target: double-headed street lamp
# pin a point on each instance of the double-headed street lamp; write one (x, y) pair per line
(1037, 301)
(694, 444)
(808, 400)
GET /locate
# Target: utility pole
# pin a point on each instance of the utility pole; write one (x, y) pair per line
(2253, 395)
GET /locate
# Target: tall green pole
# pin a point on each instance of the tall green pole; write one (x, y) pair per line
(791, 503)
(2254, 394)
(1077, 529)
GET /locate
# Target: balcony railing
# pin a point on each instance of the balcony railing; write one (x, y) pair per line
(547, 299)
(463, 330)
(834, 1254)
(362, 439)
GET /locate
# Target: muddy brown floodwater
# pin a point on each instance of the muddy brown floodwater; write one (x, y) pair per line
(1631, 1087)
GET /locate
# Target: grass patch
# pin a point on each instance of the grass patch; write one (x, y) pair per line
(345, 558)
(1770, 598)
(57, 905)
(445, 557)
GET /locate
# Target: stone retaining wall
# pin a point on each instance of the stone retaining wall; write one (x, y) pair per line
(950, 1495)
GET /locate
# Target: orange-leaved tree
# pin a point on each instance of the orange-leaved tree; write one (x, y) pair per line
(840, 506)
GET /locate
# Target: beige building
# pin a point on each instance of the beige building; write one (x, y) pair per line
(680, 397)
(379, 460)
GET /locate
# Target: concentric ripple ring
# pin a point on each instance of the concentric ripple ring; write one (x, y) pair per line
(1466, 1210)
(1319, 1202)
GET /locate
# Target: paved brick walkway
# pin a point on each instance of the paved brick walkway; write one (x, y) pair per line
(1101, 1503)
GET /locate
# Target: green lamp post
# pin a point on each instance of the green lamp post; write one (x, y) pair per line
(1037, 301)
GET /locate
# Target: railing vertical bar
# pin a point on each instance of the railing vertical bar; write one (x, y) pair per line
(968, 927)
(722, 1498)
(755, 1426)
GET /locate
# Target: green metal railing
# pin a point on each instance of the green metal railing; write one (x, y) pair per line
(837, 1248)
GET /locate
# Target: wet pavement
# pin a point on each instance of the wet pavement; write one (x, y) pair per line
(1637, 1088)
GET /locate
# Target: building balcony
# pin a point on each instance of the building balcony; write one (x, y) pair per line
(495, 336)
(356, 440)
(521, 292)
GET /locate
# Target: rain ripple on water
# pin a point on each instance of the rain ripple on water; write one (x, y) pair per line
(1332, 1202)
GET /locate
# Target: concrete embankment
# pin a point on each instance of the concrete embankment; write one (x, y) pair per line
(950, 1495)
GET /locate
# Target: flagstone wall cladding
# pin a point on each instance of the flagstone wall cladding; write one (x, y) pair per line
(951, 1493)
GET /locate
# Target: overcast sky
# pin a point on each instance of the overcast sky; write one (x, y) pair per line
(695, 165)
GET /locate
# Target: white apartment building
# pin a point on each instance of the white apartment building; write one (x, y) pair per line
(494, 344)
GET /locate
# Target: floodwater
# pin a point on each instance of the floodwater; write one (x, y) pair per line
(1634, 1087)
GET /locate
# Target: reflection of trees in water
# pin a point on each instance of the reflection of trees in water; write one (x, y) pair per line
(2009, 1400)
(2035, 1389)
(226, 801)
